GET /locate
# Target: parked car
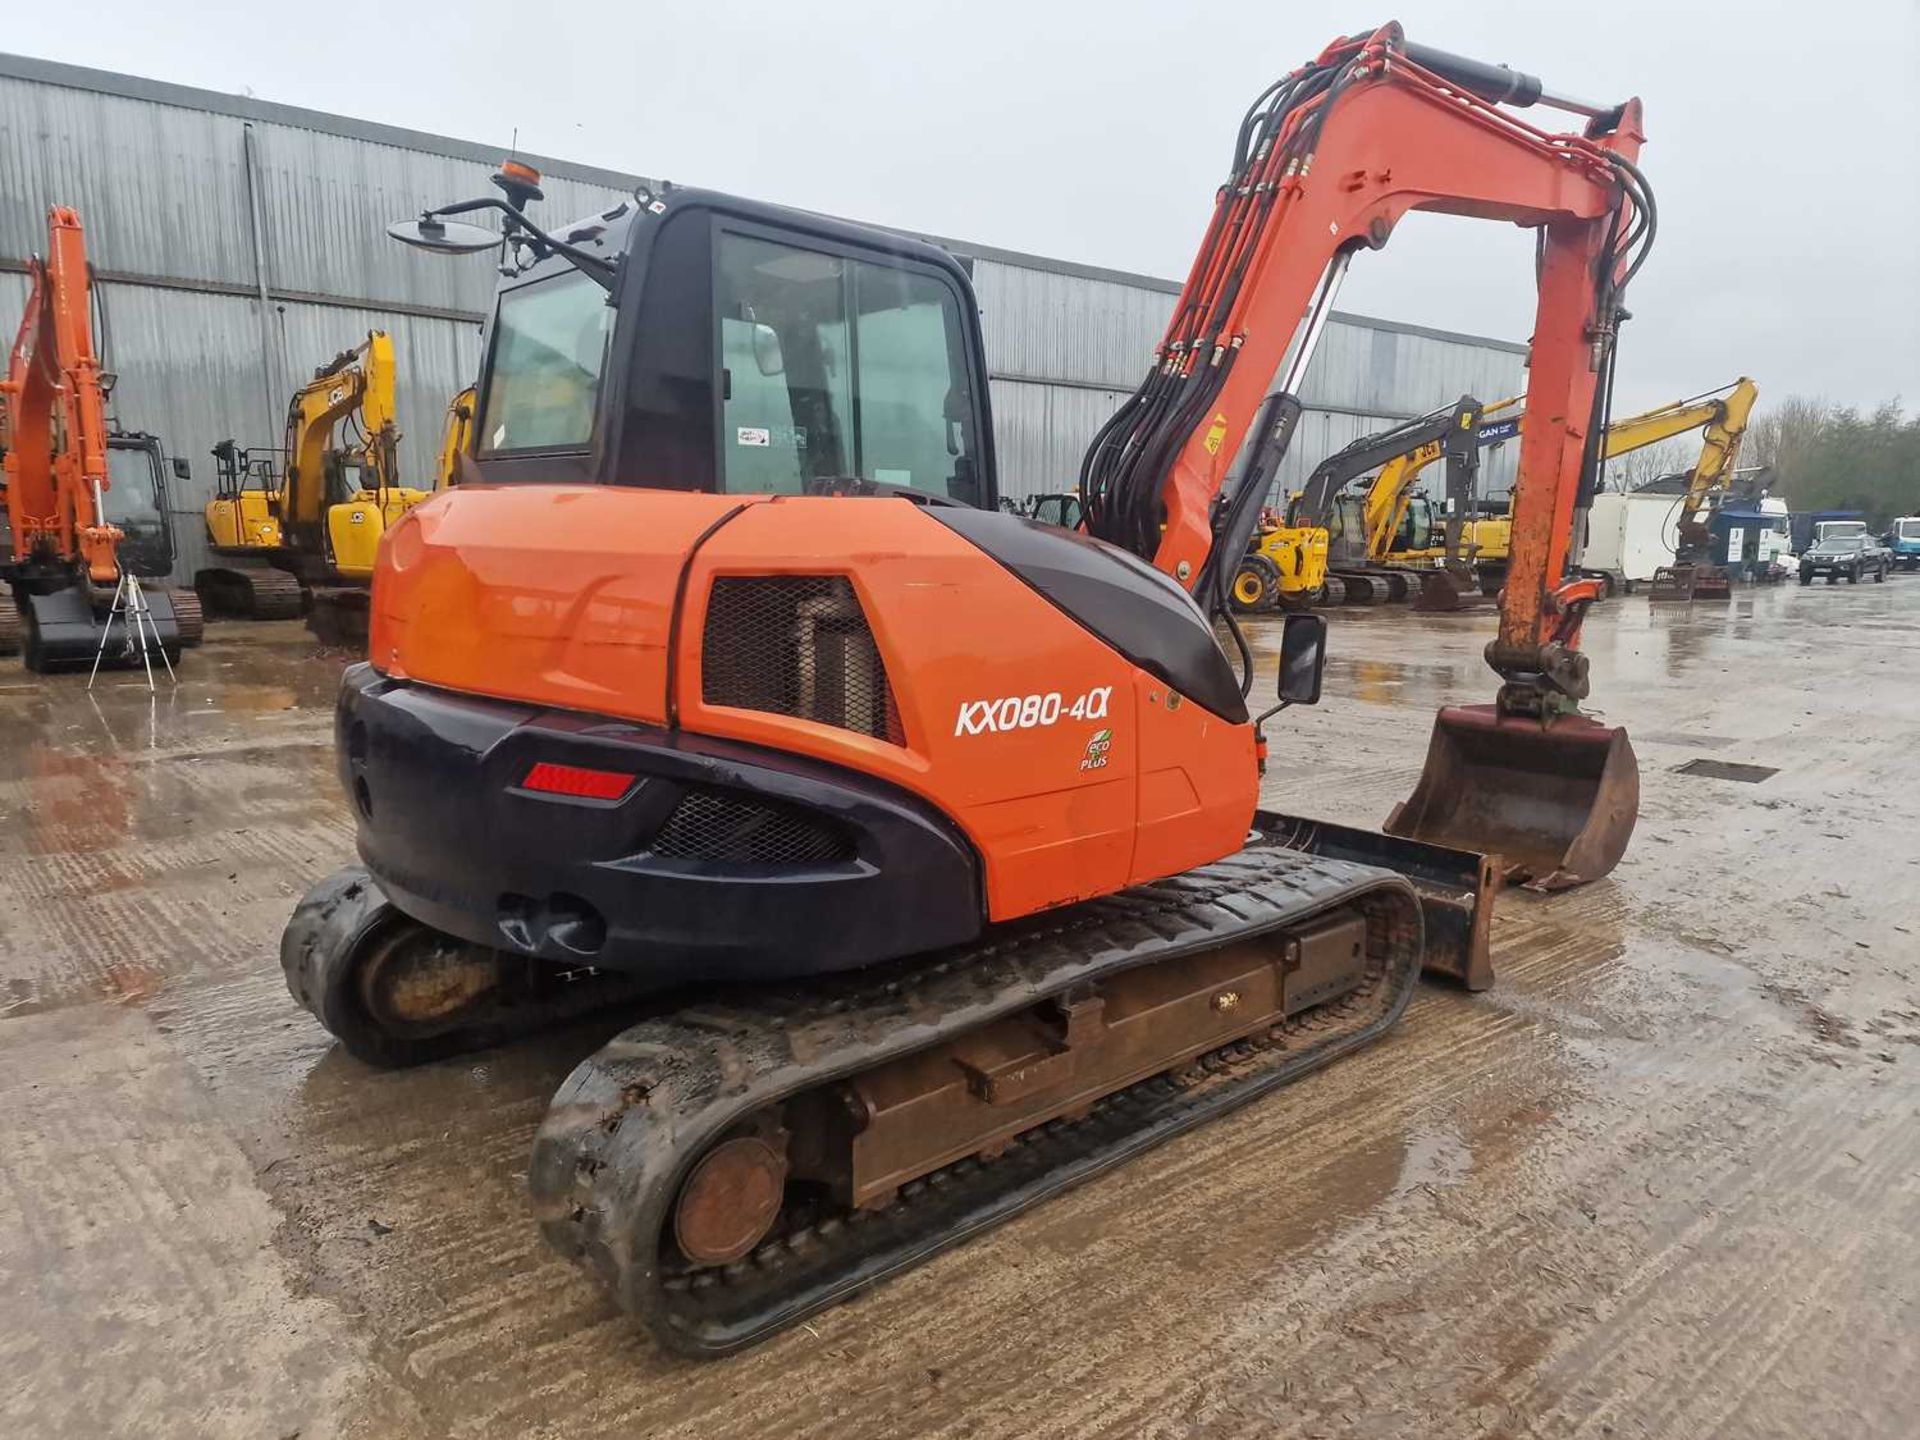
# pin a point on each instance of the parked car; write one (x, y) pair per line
(1904, 540)
(1850, 555)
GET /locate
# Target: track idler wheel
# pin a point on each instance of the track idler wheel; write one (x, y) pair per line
(392, 991)
(731, 1197)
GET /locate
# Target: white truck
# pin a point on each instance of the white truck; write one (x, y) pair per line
(1629, 537)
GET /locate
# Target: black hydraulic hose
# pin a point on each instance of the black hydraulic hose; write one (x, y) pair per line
(1125, 470)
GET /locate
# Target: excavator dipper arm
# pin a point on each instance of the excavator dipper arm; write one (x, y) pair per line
(357, 382)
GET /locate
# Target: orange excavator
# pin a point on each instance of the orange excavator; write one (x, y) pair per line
(722, 672)
(65, 560)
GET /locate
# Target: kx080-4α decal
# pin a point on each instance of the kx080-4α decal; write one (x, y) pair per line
(1030, 712)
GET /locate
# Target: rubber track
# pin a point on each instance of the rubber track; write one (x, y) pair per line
(188, 616)
(10, 636)
(630, 1120)
(275, 595)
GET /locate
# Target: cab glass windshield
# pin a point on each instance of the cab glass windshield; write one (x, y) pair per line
(131, 497)
(1910, 529)
(549, 348)
(832, 367)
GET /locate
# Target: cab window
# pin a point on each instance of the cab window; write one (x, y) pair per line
(548, 350)
(836, 367)
(132, 496)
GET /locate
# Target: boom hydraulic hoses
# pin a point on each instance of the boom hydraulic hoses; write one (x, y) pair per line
(1131, 455)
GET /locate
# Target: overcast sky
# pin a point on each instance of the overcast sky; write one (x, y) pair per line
(1782, 137)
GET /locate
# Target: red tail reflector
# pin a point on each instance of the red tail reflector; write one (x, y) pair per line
(578, 781)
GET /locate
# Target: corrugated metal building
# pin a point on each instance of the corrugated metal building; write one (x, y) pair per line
(238, 244)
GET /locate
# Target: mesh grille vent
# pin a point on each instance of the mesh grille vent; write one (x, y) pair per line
(796, 645)
(717, 826)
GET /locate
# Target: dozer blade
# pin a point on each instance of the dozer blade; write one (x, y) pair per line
(1456, 887)
(1442, 592)
(1555, 803)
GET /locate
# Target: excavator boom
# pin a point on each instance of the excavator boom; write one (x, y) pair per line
(1326, 163)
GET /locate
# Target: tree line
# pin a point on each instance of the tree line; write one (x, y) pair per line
(1834, 457)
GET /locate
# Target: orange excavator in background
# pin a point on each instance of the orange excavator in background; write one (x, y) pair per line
(730, 677)
(64, 561)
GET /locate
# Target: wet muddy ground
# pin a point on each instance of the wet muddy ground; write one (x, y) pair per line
(1663, 1180)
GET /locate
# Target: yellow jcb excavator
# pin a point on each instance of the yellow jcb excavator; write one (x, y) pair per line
(1337, 540)
(1722, 416)
(300, 527)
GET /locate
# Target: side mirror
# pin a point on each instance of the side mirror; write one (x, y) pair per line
(181, 469)
(766, 350)
(444, 237)
(1303, 657)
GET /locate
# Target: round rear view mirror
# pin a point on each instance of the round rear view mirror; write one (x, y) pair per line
(444, 237)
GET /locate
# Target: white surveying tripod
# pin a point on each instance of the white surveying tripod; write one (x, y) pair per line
(136, 625)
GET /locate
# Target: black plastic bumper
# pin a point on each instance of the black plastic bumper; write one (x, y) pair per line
(722, 861)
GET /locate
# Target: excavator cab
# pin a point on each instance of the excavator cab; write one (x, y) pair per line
(700, 342)
(136, 502)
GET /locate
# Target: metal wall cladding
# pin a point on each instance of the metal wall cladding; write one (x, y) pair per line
(163, 191)
(160, 188)
(327, 200)
(1041, 431)
(1041, 325)
(1380, 370)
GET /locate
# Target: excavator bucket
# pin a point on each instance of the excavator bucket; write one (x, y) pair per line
(1685, 582)
(1442, 592)
(1555, 802)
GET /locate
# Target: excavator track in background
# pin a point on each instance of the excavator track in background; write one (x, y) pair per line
(248, 590)
(187, 616)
